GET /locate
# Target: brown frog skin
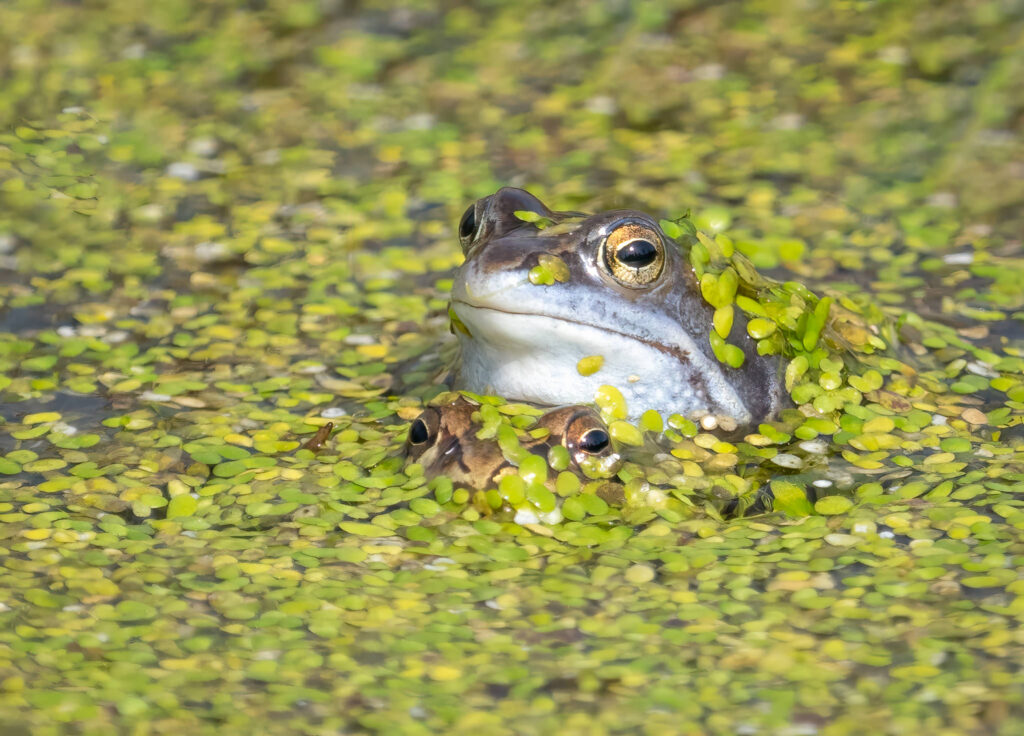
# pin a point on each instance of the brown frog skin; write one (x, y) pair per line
(443, 440)
(626, 292)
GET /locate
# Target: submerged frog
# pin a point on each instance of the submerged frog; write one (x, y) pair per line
(443, 439)
(623, 294)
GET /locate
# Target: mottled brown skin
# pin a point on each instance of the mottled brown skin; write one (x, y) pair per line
(449, 445)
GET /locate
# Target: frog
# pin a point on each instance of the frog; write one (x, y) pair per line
(623, 296)
(443, 440)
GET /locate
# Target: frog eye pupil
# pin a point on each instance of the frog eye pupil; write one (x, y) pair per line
(633, 254)
(637, 253)
(594, 441)
(418, 432)
(467, 226)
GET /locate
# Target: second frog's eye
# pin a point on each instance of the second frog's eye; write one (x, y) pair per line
(587, 434)
(418, 433)
(590, 445)
(594, 441)
(633, 254)
(468, 226)
(423, 429)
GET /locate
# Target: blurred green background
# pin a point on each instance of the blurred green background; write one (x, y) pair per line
(220, 219)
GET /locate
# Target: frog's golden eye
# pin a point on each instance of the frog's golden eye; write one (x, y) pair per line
(468, 227)
(424, 428)
(634, 254)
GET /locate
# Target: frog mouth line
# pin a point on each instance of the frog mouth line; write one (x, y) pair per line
(683, 356)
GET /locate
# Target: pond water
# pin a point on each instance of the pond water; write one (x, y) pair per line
(225, 224)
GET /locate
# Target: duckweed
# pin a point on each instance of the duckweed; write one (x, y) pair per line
(590, 365)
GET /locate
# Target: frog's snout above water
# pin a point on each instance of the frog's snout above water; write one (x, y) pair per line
(613, 288)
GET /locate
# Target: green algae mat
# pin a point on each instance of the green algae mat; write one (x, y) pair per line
(225, 225)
